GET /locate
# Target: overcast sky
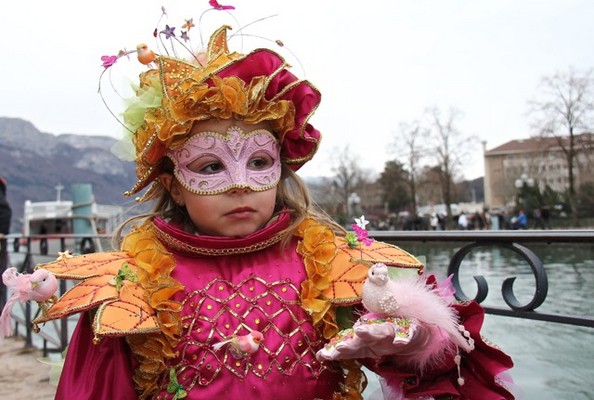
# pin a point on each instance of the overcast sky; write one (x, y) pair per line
(377, 63)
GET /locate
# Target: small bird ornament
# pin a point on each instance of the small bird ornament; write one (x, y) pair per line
(242, 346)
(40, 286)
(144, 54)
(411, 298)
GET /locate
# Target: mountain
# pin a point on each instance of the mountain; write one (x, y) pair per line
(34, 163)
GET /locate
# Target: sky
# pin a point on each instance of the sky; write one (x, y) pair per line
(378, 64)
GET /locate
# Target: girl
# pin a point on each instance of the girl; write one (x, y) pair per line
(234, 286)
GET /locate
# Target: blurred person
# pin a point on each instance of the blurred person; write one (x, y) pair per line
(5, 210)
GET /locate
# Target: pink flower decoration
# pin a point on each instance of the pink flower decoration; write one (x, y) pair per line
(362, 235)
(108, 61)
(215, 4)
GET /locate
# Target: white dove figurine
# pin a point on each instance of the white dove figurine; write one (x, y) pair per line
(411, 298)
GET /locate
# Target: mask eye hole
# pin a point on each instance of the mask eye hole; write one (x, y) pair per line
(206, 165)
(260, 161)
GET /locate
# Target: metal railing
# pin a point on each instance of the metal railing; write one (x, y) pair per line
(516, 241)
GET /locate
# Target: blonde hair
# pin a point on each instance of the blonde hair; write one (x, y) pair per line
(292, 196)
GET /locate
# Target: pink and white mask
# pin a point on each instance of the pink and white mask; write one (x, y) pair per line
(211, 163)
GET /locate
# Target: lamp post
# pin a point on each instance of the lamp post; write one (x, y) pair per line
(521, 184)
(354, 201)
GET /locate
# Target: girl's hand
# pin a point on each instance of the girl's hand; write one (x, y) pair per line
(373, 337)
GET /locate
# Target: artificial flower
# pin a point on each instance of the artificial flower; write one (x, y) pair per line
(361, 222)
(189, 24)
(362, 235)
(169, 32)
(215, 4)
(108, 61)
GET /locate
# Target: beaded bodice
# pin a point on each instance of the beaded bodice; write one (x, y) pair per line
(231, 295)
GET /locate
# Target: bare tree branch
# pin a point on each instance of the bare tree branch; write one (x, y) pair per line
(563, 110)
(451, 147)
(407, 145)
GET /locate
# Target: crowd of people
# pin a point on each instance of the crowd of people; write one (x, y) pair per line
(540, 218)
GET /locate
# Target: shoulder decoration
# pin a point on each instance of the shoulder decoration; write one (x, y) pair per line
(109, 282)
(337, 267)
(127, 287)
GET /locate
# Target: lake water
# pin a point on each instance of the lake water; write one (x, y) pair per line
(552, 361)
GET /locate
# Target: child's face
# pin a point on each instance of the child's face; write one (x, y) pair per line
(215, 206)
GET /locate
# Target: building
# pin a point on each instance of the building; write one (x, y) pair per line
(534, 161)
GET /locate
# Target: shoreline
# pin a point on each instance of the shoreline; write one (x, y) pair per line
(22, 376)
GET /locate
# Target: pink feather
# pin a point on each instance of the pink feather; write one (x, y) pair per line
(446, 289)
(413, 298)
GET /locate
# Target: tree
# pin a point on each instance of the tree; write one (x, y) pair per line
(394, 181)
(348, 176)
(429, 185)
(324, 195)
(407, 145)
(565, 106)
(451, 147)
(585, 200)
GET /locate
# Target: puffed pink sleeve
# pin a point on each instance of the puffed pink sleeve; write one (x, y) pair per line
(98, 372)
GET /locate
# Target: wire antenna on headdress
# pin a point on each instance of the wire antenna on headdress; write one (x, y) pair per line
(279, 43)
(200, 25)
(108, 61)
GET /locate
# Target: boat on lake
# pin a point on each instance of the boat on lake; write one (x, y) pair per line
(57, 218)
(80, 222)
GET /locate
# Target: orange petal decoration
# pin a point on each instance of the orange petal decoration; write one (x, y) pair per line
(88, 265)
(129, 315)
(120, 312)
(350, 266)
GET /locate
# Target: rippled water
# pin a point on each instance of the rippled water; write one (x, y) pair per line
(552, 360)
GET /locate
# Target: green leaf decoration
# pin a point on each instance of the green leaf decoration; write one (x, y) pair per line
(125, 273)
(174, 387)
(351, 239)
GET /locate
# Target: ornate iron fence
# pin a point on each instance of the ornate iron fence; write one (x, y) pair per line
(516, 241)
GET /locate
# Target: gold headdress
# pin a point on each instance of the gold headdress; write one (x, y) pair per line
(255, 87)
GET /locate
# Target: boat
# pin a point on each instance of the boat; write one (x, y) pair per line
(81, 222)
(56, 218)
